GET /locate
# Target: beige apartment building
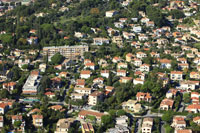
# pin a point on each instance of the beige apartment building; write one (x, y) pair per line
(147, 125)
(63, 125)
(37, 120)
(95, 97)
(70, 52)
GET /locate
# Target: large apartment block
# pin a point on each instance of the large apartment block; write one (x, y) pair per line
(32, 83)
(70, 52)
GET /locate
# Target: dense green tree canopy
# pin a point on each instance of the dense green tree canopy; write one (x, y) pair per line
(107, 120)
(6, 38)
(156, 15)
(167, 116)
(4, 93)
(17, 124)
(57, 58)
(177, 14)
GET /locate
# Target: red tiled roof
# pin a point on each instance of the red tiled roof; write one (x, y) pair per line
(165, 61)
(35, 110)
(196, 118)
(49, 93)
(178, 118)
(9, 84)
(146, 49)
(35, 73)
(184, 131)
(121, 64)
(56, 107)
(87, 60)
(126, 78)
(17, 117)
(138, 73)
(145, 65)
(80, 80)
(57, 79)
(85, 72)
(92, 113)
(116, 58)
(168, 102)
(37, 116)
(89, 64)
(1, 118)
(87, 89)
(194, 73)
(140, 94)
(29, 91)
(121, 71)
(109, 88)
(176, 72)
(182, 59)
(192, 93)
(140, 53)
(96, 93)
(129, 55)
(3, 105)
(96, 79)
(66, 37)
(173, 91)
(63, 73)
(193, 106)
(146, 95)
(138, 79)
(105, 71)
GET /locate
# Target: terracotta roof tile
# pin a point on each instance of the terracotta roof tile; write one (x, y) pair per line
(176, 72)
(17, 117)
(92, 113)
(196, 118)
(184, 131)
(37, 116)
(85, 72)
(56, 107)
(96, 93)
(35, 73)
(3, 105)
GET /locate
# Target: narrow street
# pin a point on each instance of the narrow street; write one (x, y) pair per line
(182, 106)
(162, 127)
(139, 125)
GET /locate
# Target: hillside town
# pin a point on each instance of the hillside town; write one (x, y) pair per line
(99, 66)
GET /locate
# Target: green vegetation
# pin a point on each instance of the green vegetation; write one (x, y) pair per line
(17, 124)
(168, 128)
(186, 98)
(197, 45)
(167, 116)
(107, 121)
(177, 14)
(156, 15)
(57, 58)
(50, 24)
